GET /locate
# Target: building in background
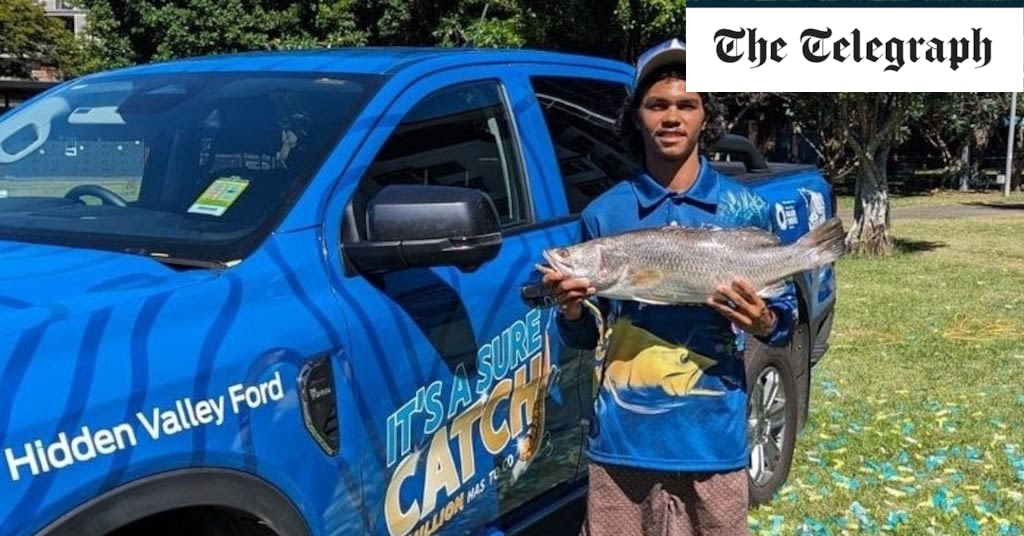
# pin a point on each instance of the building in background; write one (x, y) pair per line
(72, 17)
(15, 90)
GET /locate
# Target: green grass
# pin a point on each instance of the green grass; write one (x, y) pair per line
(126, 188)
(941, 197)
(917, 410)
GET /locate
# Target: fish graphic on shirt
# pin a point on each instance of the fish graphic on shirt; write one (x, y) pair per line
(639, 361)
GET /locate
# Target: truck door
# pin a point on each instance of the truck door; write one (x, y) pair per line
(460, 387)
(585, 155)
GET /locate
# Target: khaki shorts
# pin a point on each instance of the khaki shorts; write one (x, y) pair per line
(635, 502)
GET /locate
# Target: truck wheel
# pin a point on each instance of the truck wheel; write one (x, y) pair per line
(772, 415)
(195, 522)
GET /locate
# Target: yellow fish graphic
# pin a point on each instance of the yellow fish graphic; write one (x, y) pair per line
(638, 359)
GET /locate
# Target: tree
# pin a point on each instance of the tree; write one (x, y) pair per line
(862, 129)
(142, 31)
(481, 23)
(648, 22)
(29, 37)
(127, 33)
(958, 125)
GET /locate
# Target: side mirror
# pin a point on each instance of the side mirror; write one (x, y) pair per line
(423, 225)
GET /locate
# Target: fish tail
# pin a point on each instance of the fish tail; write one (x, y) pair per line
(824, 244)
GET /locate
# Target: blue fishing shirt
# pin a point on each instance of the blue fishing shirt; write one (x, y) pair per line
(671, 391)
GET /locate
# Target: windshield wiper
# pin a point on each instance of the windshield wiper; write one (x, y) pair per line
(169, 260)
(192, 263)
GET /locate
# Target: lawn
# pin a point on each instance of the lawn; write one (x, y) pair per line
(917, 412)
(941, 197)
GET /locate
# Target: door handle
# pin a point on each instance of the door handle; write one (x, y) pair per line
(537, 295)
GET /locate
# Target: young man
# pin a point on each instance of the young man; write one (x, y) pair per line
(668, 442)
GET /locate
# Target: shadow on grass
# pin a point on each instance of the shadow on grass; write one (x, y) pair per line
(1003, 206)
(903, 245)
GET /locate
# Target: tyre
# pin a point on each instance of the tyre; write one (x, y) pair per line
(772, 416)
(194, 522)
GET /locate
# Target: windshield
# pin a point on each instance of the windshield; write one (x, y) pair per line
(187, 165)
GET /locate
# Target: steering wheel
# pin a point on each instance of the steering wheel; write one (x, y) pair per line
(94, 190)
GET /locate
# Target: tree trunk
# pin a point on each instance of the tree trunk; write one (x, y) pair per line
(965, 167)
(870, 232)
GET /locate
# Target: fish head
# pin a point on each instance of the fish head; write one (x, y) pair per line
(582, 261)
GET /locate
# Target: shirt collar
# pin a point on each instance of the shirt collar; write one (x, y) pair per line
(704, 189)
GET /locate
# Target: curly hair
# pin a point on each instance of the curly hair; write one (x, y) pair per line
(714, 122)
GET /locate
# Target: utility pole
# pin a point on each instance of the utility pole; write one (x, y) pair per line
(1009, 144)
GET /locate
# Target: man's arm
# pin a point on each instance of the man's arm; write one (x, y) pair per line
(576, 323)
(784, 307)
(771, 320)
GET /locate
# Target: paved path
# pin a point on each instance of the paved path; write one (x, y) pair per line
(958, 210)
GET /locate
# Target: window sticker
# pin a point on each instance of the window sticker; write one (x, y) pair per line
(219, 196)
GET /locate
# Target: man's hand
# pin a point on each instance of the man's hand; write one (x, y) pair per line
(569, 292)
(740, 303)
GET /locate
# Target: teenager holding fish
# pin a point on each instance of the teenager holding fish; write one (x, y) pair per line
(668, 443)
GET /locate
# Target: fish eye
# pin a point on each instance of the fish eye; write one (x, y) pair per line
(562, 252)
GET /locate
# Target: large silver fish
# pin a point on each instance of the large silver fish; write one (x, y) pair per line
(676, 265)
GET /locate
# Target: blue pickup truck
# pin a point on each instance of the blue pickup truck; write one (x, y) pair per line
(281, 293)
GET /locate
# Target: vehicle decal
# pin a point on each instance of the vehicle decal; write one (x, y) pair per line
(360, 389)
(785, 215)
(81, 383)
(407, 343)
(13, 303)
(815, 207)
(744, 205)
(497, 413)
(80, 443)
(513, 272)
(139, 373)
(16, 370)
(208, 354)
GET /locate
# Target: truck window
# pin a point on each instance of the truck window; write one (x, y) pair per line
(457, 136)
(581, 115)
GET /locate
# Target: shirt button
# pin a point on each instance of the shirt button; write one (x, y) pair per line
(674, 223)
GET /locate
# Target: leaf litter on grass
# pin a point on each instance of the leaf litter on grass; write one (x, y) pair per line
(916, 410)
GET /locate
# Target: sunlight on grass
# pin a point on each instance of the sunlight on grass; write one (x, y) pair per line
(943, 197)
(917, 409)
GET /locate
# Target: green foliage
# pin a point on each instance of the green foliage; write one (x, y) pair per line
(484, 24)
(28, 36)
(952, 121)
(649, 22)
(128, 33)
(143, 31)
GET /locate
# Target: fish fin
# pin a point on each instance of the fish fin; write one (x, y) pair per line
(645, 278)
(773, 290)
(824, 244)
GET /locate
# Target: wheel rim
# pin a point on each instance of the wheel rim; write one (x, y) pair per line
(766, 425)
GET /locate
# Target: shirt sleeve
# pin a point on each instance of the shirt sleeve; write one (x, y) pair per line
(785, 308)
(580, 334)
(784, 304)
